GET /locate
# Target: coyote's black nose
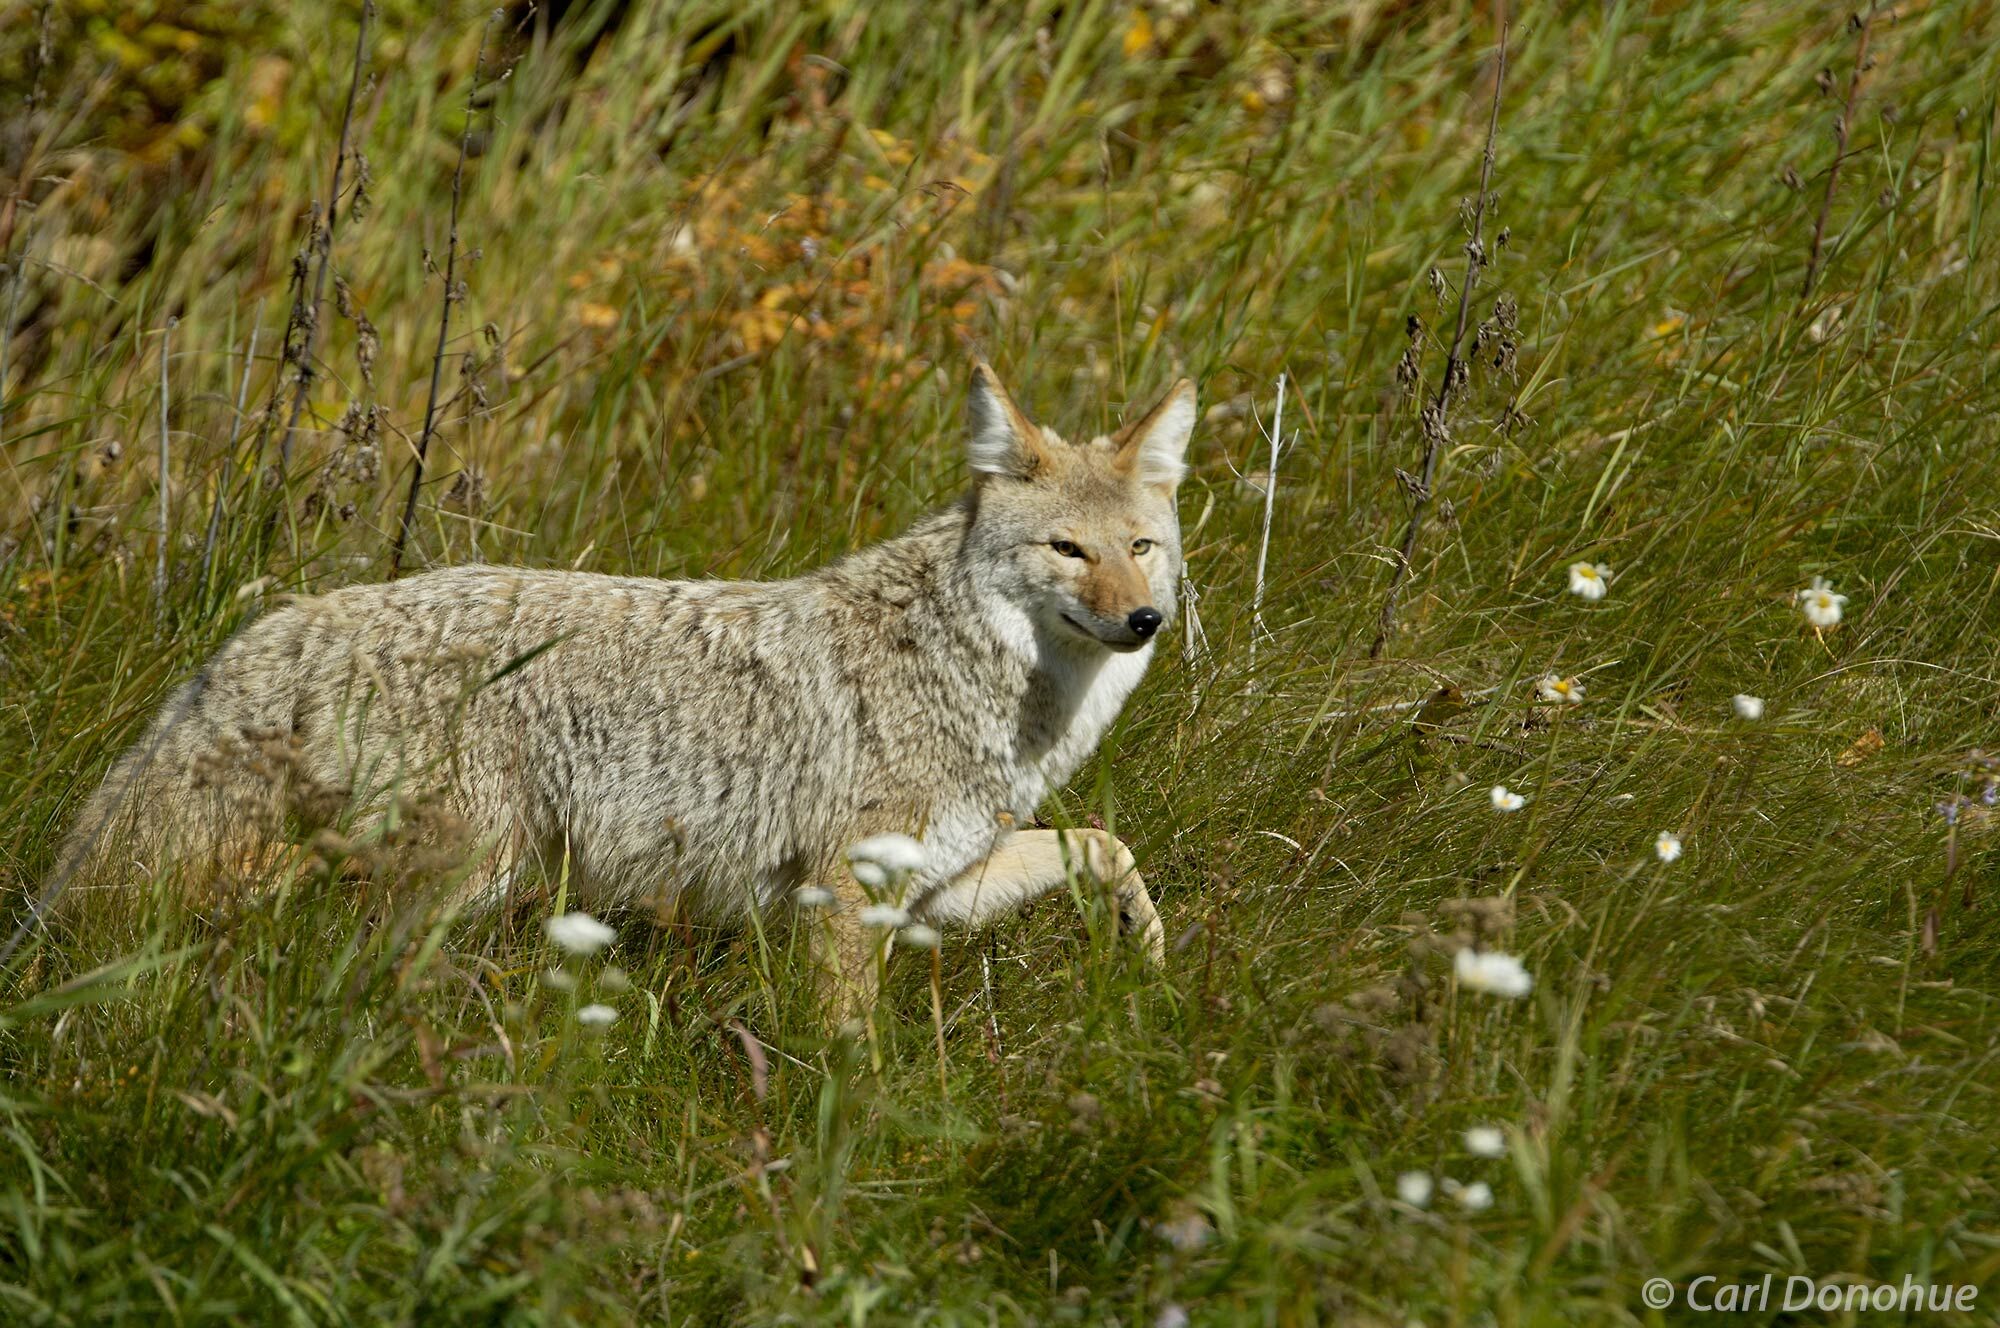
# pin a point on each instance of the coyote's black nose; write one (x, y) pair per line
(1144, 622)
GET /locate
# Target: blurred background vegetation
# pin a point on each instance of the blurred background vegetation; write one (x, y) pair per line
(724, 268)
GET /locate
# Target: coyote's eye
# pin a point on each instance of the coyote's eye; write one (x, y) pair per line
(1140, 547)
(1066, 549)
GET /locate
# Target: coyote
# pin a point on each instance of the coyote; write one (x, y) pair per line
(715, 743)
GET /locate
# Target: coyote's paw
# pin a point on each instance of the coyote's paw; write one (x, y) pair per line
(1136, 915)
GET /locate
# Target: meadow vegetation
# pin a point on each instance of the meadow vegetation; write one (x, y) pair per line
(721, 273)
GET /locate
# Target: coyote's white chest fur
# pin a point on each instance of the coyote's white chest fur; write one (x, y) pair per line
(1100, 694)
(1080, 693)
(1084, 689)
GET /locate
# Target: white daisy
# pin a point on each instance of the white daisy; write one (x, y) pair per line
(1492, 972)
(578, 933)
(1486, 1141)
(1504, 800)
(1748, 707)
(886, 916)
(1566, 690)
(1668, 846)
(1476, 1197)
(919, 936)
(1820, 605)
(1589, 581)
(813, 896)
(1414, 1188)
(595, 1016)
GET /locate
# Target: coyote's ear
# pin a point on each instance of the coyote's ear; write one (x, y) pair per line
(999, 438)
(1152, 446)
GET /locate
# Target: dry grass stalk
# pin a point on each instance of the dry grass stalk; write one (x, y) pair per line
(7, 335)
(229, 454)
(325, 243)
(452, 294)
(1275, 436)
(1436, 417)
(162, 566)
(1862, 24)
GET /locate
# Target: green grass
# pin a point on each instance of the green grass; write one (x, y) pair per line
(734, 262)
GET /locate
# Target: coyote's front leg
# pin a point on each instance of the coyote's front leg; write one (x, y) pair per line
(1030, 863)
(847, 955)
(1025, 865)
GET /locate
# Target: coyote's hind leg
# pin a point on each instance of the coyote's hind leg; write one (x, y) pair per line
(1030, 863)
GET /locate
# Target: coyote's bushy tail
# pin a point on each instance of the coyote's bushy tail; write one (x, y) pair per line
(178, 798)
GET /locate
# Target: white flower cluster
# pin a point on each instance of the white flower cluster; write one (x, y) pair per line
(581, 935)
(578, 933)
(883, 860)
(886, 863)
(1818, 601)
(888, 917)
(1415, 1188)
(1494, 973)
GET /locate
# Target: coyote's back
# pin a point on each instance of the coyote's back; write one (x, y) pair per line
(634, 726)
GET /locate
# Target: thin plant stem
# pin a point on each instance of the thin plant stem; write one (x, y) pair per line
(1276, 436)
(305, 362)
(1842, 126)
(937, 1020)
(7, 337)
(1436, 428)
(161, 566)
(229, 453)
(451, 296)
(998, 1050)
(879, 956)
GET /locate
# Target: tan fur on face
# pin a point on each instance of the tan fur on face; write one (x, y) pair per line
(1038, 491)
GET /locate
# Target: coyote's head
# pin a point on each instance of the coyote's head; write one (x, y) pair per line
(1082, 538)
